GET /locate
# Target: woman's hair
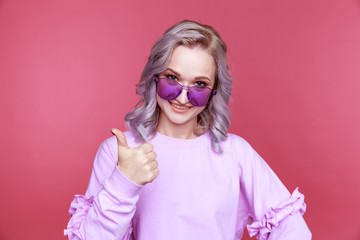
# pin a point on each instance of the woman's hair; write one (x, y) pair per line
(215, 117)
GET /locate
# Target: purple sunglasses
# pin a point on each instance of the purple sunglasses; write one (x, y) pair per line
(170, 89)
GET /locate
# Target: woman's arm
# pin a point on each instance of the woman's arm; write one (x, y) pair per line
(106, 210)
(275, 213)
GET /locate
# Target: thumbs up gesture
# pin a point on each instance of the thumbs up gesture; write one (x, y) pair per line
(138, 164)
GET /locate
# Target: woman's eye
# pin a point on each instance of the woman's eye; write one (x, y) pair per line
(171, 77)
(200, 83)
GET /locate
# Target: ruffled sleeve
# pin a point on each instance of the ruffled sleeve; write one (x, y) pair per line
(273, 218)
(79, 208)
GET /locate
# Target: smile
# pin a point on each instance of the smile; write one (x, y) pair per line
(178, 106)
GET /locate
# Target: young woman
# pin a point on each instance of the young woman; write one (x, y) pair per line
(211, 183)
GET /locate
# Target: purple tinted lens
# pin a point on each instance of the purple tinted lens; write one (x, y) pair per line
(170, 89)
(199, 96)
(167, 88)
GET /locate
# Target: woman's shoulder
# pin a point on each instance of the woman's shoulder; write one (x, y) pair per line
(236, 141)
(240, 148)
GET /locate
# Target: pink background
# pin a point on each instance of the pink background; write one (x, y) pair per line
(68, 71)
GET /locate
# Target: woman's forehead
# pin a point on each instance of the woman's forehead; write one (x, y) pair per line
(192, 62)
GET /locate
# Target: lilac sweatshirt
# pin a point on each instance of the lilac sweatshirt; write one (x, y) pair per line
(198, 194)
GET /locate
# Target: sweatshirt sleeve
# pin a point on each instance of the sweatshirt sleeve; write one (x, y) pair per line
(274, 213)
(106, 210)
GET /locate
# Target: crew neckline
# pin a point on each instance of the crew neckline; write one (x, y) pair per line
(182, 143)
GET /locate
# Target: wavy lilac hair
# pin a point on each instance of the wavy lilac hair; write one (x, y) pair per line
(215, 117)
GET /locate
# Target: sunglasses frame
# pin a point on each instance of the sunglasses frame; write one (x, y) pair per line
(187, 88)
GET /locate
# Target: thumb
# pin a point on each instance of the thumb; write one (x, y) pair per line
(120, 137)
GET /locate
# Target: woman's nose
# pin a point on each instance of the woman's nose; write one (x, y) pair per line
(182, 98)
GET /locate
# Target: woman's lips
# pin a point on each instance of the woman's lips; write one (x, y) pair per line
(179, 108)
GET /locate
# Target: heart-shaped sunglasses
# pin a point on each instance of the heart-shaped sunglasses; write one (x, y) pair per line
(170, 89)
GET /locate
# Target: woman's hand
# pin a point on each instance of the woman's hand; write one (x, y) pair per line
(138, 164)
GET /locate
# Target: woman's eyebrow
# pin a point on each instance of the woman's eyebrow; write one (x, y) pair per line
(172, 70)
(203, 77)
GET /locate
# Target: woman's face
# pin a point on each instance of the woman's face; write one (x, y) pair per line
(189, 66)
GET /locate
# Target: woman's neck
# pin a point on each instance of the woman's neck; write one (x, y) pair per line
(181, 131)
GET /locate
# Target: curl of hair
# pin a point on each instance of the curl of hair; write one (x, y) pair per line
(215, 117)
